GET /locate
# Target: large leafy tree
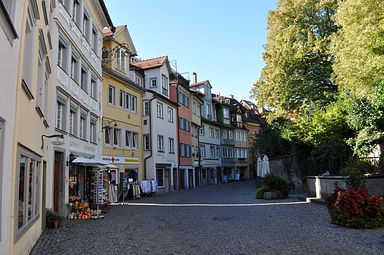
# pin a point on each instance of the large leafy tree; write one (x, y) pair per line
(359, 69)
(298, 71)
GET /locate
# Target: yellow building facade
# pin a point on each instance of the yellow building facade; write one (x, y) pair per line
(122, 111)
(31, 128)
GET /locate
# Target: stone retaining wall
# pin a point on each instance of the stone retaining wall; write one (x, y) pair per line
(323, 186)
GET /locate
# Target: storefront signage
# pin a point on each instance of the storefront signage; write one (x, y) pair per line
(121, 160)
(210, 162)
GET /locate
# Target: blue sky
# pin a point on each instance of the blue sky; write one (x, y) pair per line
(222, 41)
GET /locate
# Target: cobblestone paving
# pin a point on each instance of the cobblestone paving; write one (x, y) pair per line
(261, 228)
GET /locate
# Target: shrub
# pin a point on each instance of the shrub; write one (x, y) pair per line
(356, 208)
(260, 192)
(356, 169)
(275, 183)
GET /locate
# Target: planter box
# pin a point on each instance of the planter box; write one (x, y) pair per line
(273, 195)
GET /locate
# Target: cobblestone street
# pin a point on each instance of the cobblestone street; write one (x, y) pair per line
(219, 219)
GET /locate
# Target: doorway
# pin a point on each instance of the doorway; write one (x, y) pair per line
(58, 188)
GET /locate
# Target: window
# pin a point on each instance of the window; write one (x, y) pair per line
(217, 152)
(92, 131)
(235, 152)
(184, 124)
(147, 143)
(134, 140)
(128, 138)
(93, 88)
(86, 26)
(170, 114)
(111, 95)
(209, 111)
(225, 152)
(146, 108)
(127, 101)
(226, 113)
(122, 98)
(171, 145)
(230, 153)
(202, 150)
(160, 143)
(60, 115)
(225, 134)
(159, 108)
(164, 85)
(6, 24)
(153, 82)
(62, 55)
(120, 59)
(211, 132)
(133, 104)
(238, 118)
(28, 186)
(28, 60)
(74, 68)
(212, 151)
(202, 130)
(83, 127)
(94, 39)
(230, 134)
(183, 99)
(139, 81)
(73, 121)
(76, 12)
(160, 177)
(116, 136)
(84, 79)
(217, 133)
(185, 150)
(107, 136)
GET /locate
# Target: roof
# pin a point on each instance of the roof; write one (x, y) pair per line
(107, 31)
(198, 83)
(150, 63)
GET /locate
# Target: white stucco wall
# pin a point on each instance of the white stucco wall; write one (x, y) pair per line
(9, 55)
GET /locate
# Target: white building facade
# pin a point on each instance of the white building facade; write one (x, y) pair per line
(77, 45)
(159, 123)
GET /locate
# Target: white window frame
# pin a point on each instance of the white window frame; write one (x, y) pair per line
(83, 126)
(159, 110)
(60, 114)
(29, 192)
(211, 132)
(160, 143)
(164, 85)
(145, 108)
(111, 95)
(212, 151)
(135, 140)
(170, 114)
(120, 59)
(146, 142)
(133, 103)
(93, 88)
(202, 150)
(93, 131)
(171, 142)
(73, 121)
(153, 82)
(107, 136)
(116, 137)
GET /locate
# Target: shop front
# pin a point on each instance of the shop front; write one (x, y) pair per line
(88, 183)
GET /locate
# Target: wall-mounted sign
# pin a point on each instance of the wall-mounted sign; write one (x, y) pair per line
(121, 160)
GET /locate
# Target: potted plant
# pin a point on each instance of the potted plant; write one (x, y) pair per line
(54, 220)
(274, 187)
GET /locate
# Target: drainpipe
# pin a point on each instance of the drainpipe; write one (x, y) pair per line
(178, 133)
(150, 135)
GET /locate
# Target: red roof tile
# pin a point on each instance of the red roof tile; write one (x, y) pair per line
(107, 30)
(150, 63)
(198, 84)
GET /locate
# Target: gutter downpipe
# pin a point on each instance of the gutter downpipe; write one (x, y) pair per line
(150, 134)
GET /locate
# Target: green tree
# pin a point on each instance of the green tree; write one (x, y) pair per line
(359, 69)
(298, 70)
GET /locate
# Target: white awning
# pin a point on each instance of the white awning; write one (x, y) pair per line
(89, 162)
(110, 166)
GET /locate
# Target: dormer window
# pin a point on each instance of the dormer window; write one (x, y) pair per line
(238, 118)
(164, 85)
(120, 59)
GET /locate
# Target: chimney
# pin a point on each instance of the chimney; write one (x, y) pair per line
(232, 96)
(194, 77)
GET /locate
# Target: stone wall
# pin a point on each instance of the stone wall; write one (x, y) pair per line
(323, 186)
(286, 168)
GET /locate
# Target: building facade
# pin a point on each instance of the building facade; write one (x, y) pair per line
(195, 130)
(76, 33)
(122, 110)
(159, 122)
(181, 94)
(209, 135)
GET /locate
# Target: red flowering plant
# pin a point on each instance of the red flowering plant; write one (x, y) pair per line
(356, 208)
